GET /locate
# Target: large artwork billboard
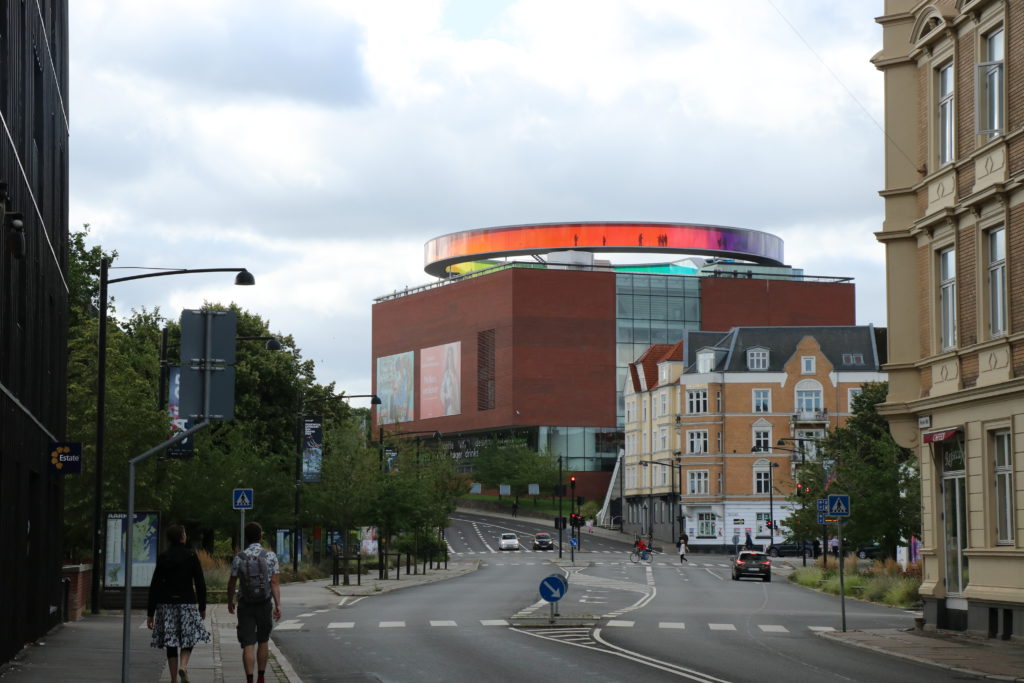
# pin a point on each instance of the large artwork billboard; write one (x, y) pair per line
(145, 542)
(395, 388)
(440, 376)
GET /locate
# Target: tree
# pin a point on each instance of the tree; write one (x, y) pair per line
(862, 459)
(515, 464)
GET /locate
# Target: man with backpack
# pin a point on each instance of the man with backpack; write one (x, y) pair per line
(256, 573)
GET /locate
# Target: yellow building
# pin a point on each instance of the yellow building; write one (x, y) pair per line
(954, 240)
(703, 419)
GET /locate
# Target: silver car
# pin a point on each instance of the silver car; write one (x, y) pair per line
(508, 541)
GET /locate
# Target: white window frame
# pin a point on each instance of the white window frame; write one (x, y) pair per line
(1002, 459)
(947, 298)
(664, 402)
(761, 529)
(705, 361)
(707, 526)
(945, 116)
(851, 394)
(697, 482)
(663, 438)
(696, 401)
(762, 481)
(990, 85)
(630, 410)
(807, 365)
(758, 394)
(696, 441)
(762, 439)
(808, 398)
(995, 251)
(810, 438)
(757, 359)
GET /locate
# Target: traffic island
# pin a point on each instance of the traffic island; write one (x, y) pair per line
(568, 621)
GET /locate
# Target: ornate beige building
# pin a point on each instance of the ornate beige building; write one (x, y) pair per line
(704, 417)
(954, 240)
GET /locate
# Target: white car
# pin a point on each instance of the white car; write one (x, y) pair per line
(508, 542)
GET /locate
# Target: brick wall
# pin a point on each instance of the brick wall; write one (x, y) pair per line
(964, 105)
(1015, 270)
(80, 576)
(1015, 84)
(967, 287)
(969, 370)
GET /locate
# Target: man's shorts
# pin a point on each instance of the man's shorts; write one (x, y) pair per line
(255, 621)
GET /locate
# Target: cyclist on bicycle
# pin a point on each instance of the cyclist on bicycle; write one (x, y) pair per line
(641, 547)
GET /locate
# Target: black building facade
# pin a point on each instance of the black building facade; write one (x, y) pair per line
(33, 312)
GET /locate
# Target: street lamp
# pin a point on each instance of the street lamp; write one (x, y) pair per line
(243, 277)
(771, 503)
(672, 486)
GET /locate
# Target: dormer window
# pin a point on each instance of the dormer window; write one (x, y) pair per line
(705, 361)
(757, 359)
(807, 365)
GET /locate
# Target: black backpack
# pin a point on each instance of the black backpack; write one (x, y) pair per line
(253, 577)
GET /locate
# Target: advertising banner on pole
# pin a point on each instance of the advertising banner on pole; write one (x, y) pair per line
(312, 448)
(183, 449)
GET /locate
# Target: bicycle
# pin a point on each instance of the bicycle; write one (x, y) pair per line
(637, 555)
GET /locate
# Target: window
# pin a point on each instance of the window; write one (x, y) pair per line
(698, 481)
(757, 359)
(697, 441)
(761, 528)
(643, 407)
(705, 361)
(1003, 455)
(852, 394)
(663, 438)
(807, 365)
(808, 439)
(944, 77)
(853, 359)
(762, 440)
(996, 239)
(664, 402)
(762, 481)
(808, 400)
(706, 523)
(947, 298)
(989, 85)
(696, 401)
(630, 410)
(762, 400)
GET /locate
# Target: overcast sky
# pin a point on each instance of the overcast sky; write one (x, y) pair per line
(321, 143)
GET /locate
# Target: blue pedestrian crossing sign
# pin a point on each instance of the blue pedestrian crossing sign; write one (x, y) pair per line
(241, 499)
(839, 505)
(553, 588)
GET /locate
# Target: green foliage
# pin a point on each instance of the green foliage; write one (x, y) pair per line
(862, 459)
(515, 464)
(808, 576)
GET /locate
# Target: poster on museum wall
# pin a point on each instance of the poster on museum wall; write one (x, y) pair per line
(395, 388)
(440, 380)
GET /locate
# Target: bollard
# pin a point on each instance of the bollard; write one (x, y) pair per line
(408, 559)
(359, 569)
(334, 569)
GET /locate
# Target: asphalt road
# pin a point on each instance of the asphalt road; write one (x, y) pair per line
(662, 621)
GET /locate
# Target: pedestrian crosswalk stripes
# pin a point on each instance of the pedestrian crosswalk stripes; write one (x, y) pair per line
(293, 625)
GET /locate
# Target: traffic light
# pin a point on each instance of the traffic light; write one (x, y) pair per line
(768, 524)
(579, 501)
(572, 482)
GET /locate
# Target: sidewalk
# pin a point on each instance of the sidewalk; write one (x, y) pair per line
(90, 649)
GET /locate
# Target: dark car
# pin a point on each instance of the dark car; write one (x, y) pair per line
(752, 563)
(542, 541)
(790, 547)
(870, 551)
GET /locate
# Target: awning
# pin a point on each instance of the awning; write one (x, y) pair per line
(942, 434)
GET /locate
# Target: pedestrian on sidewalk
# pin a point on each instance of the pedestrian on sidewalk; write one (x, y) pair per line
(177, 603)
(684, 546)
(257, 574)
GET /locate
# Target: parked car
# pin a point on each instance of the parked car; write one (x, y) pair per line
(790, 547)
(870, 551)
(508, 541)
(752, 563)
(542, 541)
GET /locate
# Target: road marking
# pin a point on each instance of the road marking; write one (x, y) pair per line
(822, 628)
(493, 622)
(672, 624)
(721, 627)
(392, 624)
(288, 625)
(773, 628)
(342, 624)
(443, 622)
(303, 616)
(621, 623)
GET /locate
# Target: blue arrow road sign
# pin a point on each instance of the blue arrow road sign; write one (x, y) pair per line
(573, 542)
(823, 518)
(553, 588)
(839, 505)
(823, 505)
(241, 499)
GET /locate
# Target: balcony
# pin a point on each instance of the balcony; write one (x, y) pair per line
(810, 416)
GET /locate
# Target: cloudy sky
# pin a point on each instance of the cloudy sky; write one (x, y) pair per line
(320, 143)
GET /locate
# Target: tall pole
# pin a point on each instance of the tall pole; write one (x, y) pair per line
(101, 396)
(298, 498)
(561, 519)
(771, 504)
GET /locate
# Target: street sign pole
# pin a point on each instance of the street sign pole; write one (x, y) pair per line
(842, 587)
(241, 532)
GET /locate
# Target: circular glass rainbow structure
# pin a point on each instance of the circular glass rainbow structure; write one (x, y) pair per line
(443, 254)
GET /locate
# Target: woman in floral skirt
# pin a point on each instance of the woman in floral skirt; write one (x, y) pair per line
(177, 603)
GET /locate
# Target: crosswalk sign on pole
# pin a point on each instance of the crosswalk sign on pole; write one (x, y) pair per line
(839, 505)
(242, 499)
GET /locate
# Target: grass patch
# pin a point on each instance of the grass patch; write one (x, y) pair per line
(807, 576)
(884, 582)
